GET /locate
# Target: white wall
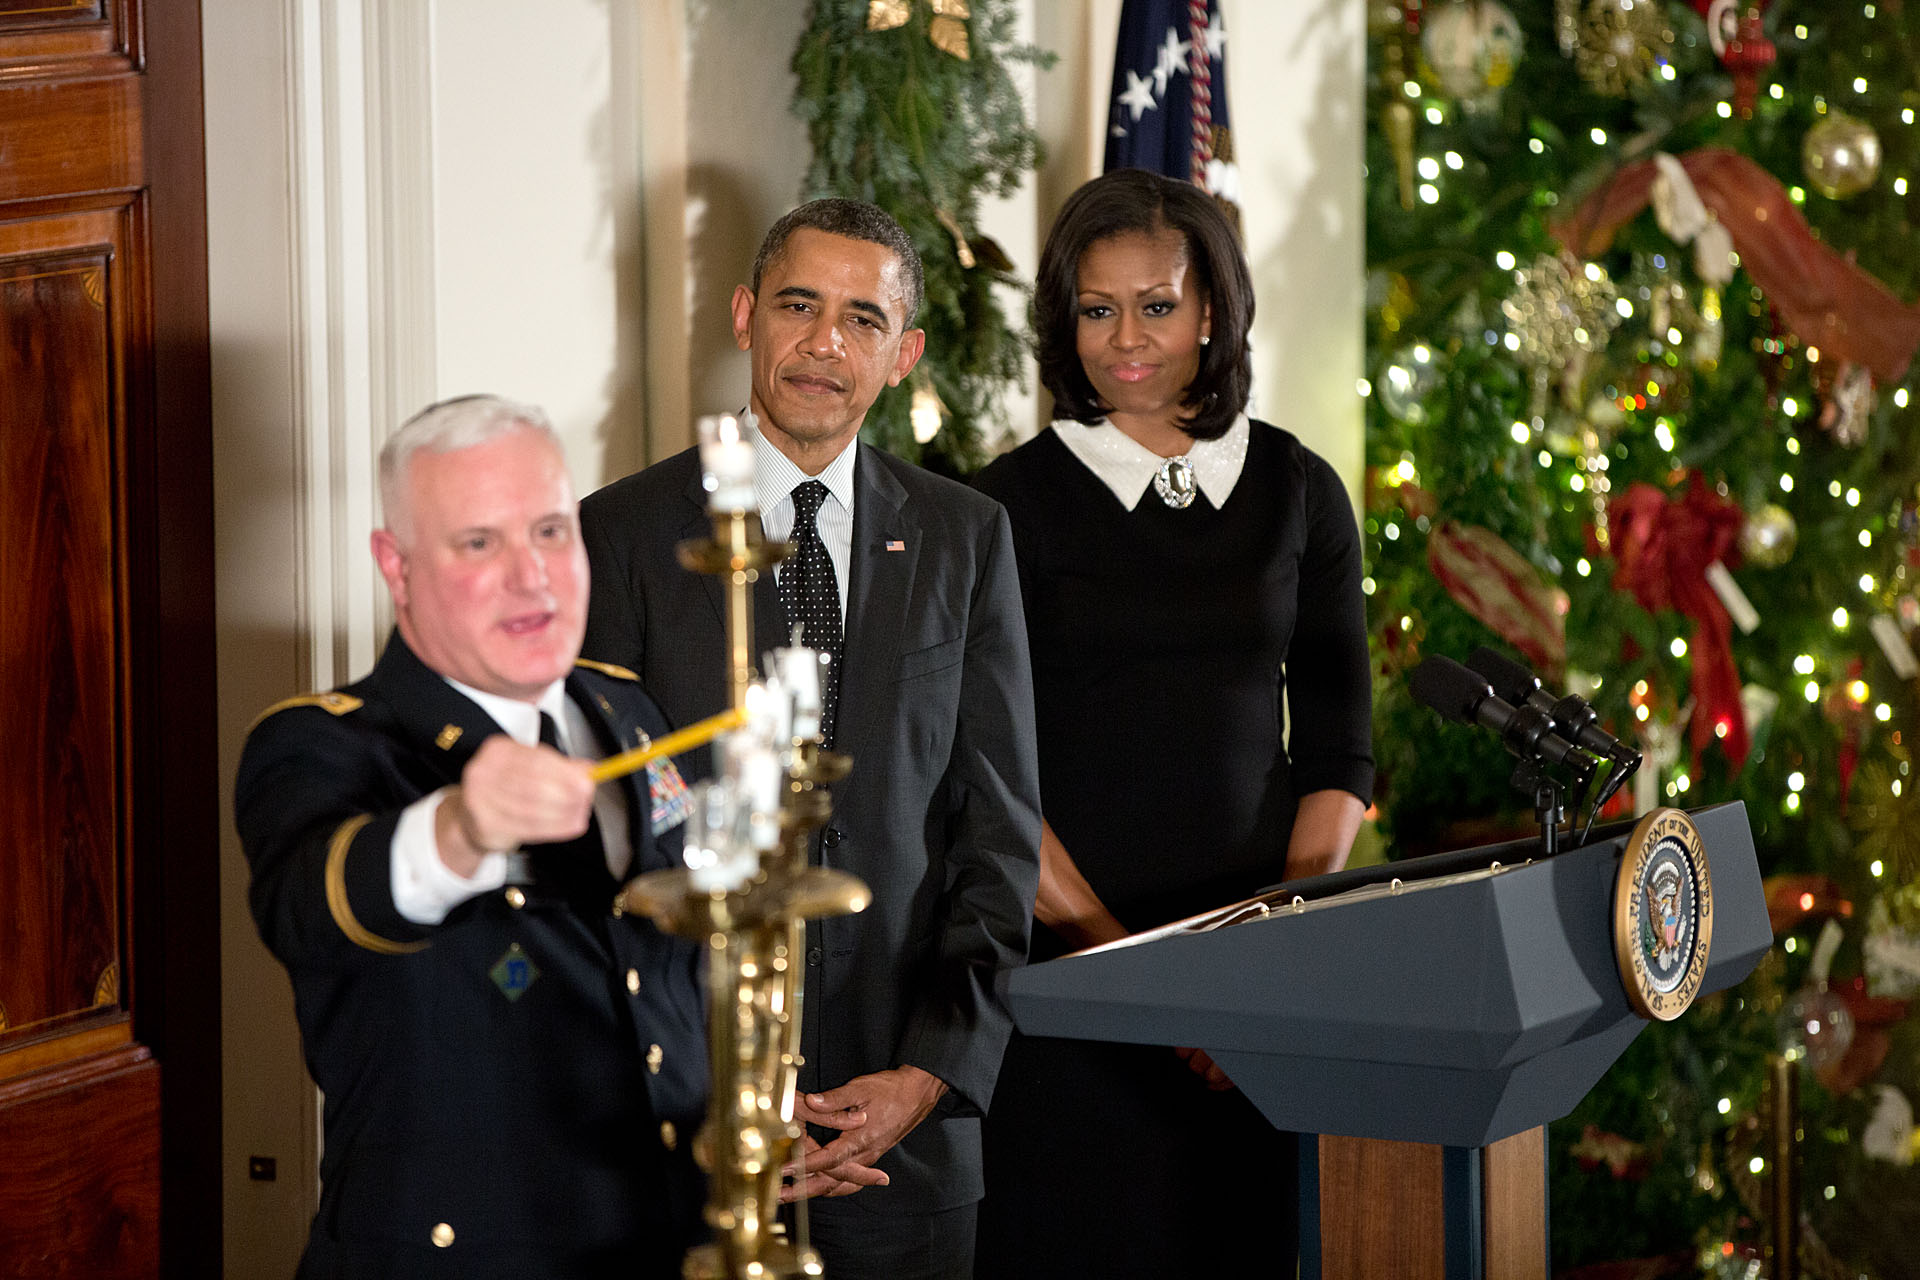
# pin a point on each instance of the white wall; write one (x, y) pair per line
(1295, 79)
(269, 1105)
(416, 198)
(535, 168)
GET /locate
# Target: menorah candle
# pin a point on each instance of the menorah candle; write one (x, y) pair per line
(726, 462)
(716, 838)
(799, 669)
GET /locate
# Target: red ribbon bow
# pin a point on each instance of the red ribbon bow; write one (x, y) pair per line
(1664, 546)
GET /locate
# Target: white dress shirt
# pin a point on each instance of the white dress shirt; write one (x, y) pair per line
(1127, 467)
(774, 479)
(424, 887)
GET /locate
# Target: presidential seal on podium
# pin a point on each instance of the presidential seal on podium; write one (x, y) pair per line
(1663, 914)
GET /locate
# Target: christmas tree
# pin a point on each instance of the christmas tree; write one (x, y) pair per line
(1641, 319)
(909, 105)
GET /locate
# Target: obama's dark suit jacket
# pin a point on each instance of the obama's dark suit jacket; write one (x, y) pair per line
(941, 814)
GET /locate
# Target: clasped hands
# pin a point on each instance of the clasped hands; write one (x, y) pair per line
(872, 1113)
(511, 794)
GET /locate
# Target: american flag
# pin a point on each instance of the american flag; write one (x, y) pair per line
(1169, 108)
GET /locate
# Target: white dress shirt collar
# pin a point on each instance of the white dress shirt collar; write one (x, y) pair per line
(1127, 467)
(775, 476)
(521, 720)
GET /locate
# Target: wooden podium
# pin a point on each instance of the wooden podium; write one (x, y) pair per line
(1425, 1018)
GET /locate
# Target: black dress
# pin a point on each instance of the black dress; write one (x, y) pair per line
(1168, 646)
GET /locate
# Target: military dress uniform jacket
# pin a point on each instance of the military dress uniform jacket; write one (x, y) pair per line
(940, 815)
(512, 1092)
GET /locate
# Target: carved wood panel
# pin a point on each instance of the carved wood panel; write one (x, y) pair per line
(25, 15)
(59, 781)
(109, 966)
(98, 1217)
(65, 36)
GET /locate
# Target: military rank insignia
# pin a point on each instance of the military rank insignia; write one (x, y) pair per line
(1663, 915)
(514, 972)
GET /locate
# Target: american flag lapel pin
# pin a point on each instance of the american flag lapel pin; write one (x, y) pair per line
(895, 544)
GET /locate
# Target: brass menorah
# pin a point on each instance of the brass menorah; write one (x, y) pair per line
(754, 923)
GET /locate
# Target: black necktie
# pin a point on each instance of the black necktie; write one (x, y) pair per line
(550, 733)
(811, 595)
(582, 861)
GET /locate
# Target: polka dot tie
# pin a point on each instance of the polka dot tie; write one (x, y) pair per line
(811, 595)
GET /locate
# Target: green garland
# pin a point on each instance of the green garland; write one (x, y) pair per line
(924, 134)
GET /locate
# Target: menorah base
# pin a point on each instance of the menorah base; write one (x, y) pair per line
(775, 1260)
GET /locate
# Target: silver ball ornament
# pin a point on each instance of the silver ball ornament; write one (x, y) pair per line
(1408, 379)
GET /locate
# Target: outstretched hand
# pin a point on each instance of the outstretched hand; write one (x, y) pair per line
(872, 1112)
(509, 795)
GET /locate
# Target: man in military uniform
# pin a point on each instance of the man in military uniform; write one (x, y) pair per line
(513, 1073)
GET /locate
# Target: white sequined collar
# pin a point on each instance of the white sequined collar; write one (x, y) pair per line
(1128, 467)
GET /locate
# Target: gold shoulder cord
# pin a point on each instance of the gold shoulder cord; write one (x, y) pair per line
(334, 702)
(336, 880)
(605, 669)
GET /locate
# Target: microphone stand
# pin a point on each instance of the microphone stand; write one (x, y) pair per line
(1549, 810)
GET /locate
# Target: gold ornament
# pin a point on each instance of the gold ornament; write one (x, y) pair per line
(1384, 18)
(1676, 317)
(949, 34)
(1884, 818)
(1562, 311)
(1399, 124)
(1620, 44)
(1560, 306)
(1711, 338)
(1566, 26)
(1841, 155)
(885, 15)
(1595, 443)
(929, 411)
(1396, 116)
(1767, 538)
(961, 249)
(1395, 298)
(947, 29)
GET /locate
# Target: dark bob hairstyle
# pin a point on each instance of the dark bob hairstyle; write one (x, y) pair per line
(1136, 200)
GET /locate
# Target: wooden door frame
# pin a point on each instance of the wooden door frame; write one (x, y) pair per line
(175, 882)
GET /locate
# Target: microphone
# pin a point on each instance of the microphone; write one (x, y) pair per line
(1573, 717)
(1527, 731)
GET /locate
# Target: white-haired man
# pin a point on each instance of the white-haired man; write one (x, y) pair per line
(512, 1072)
